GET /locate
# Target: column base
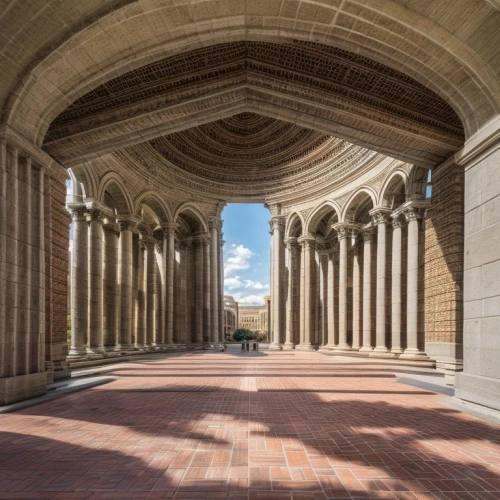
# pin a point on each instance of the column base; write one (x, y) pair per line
(327, 347)
(304, 347)
(288, 346)
(97, 350)
(382, 352)
(342, 347)
(77, 353)
(414, 354)
(197, 345)
(275, 346)
(355, 348)
(366, 349)
(13, 389)
(397, 351)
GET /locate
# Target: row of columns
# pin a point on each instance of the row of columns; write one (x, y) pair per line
(125, 298)
(302, 253)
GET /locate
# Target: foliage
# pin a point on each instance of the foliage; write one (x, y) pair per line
(261, 336)
(243, 335)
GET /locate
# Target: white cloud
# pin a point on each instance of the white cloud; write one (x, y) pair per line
(256, 285)
(249, 300)
(238, 260)
(232, 283)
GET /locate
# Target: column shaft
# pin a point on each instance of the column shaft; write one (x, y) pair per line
(308, 250)
(330, 333)
(198, 291)
(367, 292)
(396, 287)
(207, 314)
(290, 304)
(141, 320)
(96, 292)
(125, 283)
(276, 290)
(356, 301)
(79, 284)
(214, 280)
(343, 345)
(150, 262)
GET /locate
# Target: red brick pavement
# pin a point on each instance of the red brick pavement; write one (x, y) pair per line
(274, 426)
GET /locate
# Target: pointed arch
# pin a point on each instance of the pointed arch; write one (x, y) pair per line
(364, 194)
(318, 213)
(155, 203)
(194, 214)
(113, 184)
(293, 222)
(393, 189)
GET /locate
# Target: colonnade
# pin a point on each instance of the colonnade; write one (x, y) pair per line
(137, 289)
(356, 290)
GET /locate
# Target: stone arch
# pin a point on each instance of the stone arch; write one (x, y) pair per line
(322, 213)
(40, 95)
(417, 183)
(394, 191)
(294, 225)
(155, 203)
(114, 186)
(355, 208)
(87, 180)
(190, 217)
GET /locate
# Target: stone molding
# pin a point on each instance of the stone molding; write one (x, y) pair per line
(380, 215)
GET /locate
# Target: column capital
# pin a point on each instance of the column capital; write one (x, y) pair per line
(291, 243)
(397, 220)
(307, 241)
(274, 208)
(168, 228)
(214, 222)
(367, 233)
(128, 224)
(148, 241)
(346, 230)
(186, 243)
(95, 215)
(277, 223)
(380, 215)
(77, 210)
(201, 239)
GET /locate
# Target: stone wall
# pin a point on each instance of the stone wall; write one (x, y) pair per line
(444, 264)
(56, 260)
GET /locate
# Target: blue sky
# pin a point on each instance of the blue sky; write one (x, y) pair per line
(246, 252)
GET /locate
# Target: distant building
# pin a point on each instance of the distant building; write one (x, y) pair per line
(230, 316)
(255, 318)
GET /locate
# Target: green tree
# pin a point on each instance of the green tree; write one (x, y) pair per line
(243, 335)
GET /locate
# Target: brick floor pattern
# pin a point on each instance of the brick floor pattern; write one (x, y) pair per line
(266, 426)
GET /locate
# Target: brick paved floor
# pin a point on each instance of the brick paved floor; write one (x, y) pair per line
(294, 426)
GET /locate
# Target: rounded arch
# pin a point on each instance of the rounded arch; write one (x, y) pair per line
(41, 94)
(394, 191)
(417, 183)
(155, 203)
(294, 225)
(319, 213)
(86, 180)
(356, 205)
(113, 184)
(192, 217)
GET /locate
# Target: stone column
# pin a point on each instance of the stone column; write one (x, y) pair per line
(367, 290)
(125, 283)
(380, 216)
(277, 228)
(291, 245)
(79, 283)
(323, 255)
(343, 232)
(111, 315)
(215, 225)
(169, 269)
(329, 338)
(221, 288)
(183, 296)
(207, 303)
(198, 291)
(95, 217)
(141, 321)
(413, 215)
(308, 245)
(160, 294)
(396, 284)
(356, 301)
(150, 272)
